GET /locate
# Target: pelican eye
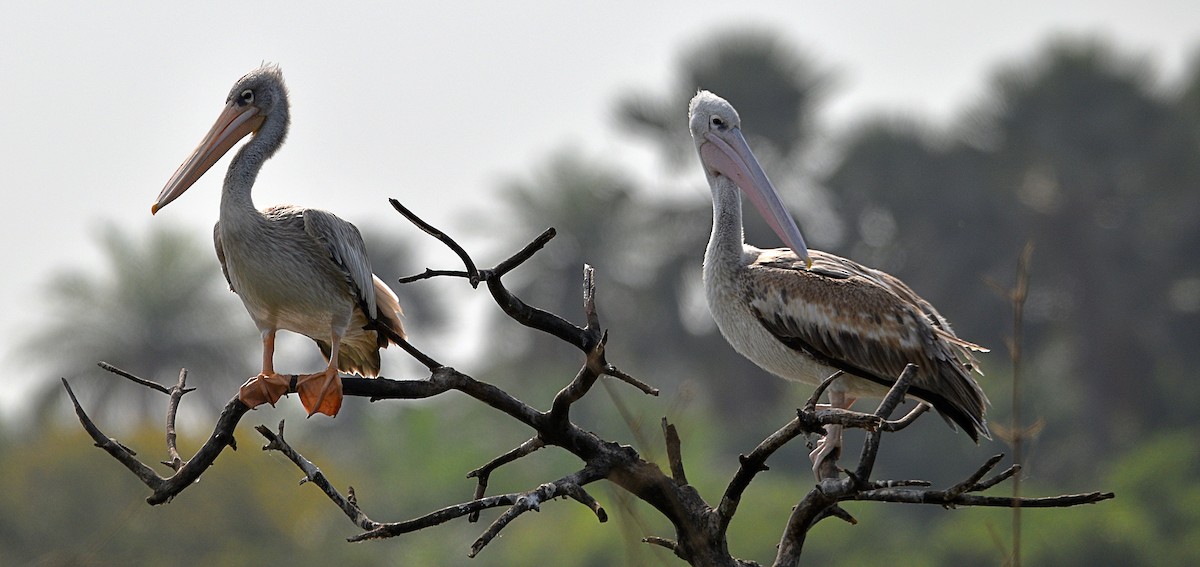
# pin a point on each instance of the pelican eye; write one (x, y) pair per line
(718, 122)
(246, 97)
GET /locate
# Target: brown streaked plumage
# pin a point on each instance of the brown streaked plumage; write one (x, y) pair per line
(296, 269)
(804, 315)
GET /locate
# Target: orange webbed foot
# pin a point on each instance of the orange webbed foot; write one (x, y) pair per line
(264, 389)
(321, 392)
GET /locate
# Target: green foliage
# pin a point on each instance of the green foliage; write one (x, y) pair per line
(69, 504)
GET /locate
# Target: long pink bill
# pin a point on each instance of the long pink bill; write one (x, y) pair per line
(729, 154)
(234, 123)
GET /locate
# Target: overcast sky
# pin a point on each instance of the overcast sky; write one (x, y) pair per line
(434, 103)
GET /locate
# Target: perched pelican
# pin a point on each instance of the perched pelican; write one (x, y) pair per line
(296, 269)
(803, 315)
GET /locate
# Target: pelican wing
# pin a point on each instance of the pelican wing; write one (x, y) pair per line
(850, 318)
(966, 349)
(346, 248)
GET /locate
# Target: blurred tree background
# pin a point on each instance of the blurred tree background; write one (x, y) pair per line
(1080, 148)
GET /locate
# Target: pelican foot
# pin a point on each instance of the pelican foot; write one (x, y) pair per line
(824, 457)
(264, 389)
(321, 392)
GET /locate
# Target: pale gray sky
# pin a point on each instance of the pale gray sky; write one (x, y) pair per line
(433, 102)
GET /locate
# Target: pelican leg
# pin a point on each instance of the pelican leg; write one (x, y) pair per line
(322, 392)
(824, 457)
(267, 387)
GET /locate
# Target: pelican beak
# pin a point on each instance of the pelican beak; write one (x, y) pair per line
(234, 123)
(729, 155)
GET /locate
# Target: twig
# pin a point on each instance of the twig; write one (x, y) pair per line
(578, 494)
(866, 462)
(413, 351)
(610, 370)
(483, 474)
(435, 518)
(431, 273)
(969, 484)
(944, 498)
(579, 387)
(519, 502)
(1009, 472)
(532, 500)
(177, 393)
(472, 271)
(1019, 294)
(121, 453)
(165, 489)
(754, 463)
(661, 542)
(349, 506)
(897, 425)
(147, 383)
(811, 404)
(674, 452)
(534, 317)
(809, 420)
(522, 255)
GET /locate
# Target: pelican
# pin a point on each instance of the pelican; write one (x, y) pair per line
(803, 314)
(296, 269)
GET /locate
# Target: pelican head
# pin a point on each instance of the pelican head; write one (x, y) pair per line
(258, 101)
(724, 153)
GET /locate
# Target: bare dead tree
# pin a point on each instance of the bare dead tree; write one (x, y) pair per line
(700, 528)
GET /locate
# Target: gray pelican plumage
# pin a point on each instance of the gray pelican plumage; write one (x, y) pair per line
(804, 314)
(295, 269)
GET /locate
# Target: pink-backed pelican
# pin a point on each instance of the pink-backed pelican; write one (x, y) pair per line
(296, 269)
(803, 314)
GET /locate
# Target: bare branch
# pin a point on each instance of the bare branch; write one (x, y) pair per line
(430, 273)
(610, 370)
(578, 494)
(866, 462)
(121, 453)
(1008, 473)
(483, 474)
(968, 484)
(661, 542)
(534, 317)
(435, 518)
(674, 452)
(167, 488)
(569, 486)
(519, 502)
(811, 404)
(522, 255)
(946, 499)
(897, 425)
(755, 462)
(177, 393)
(147, 383)
(472, 271)
(421, 357)
(313, 474)
(582, 384)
